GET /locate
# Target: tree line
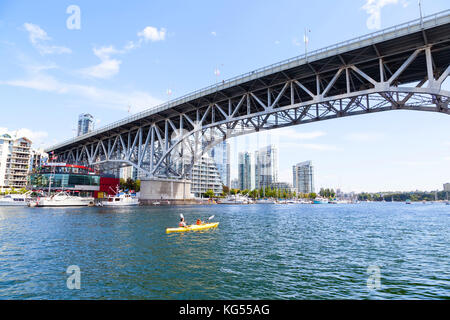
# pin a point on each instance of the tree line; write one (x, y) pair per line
(130, 184)
(266, 192)
(403, 196)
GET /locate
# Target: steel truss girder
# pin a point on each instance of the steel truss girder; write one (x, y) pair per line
(170, 147)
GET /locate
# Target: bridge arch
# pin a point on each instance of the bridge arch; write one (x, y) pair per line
(398, 69)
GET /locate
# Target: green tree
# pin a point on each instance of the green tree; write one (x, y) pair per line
(209, 194)
(137, 185)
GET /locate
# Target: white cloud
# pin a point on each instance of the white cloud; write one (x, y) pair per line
(291, 133)
(364, 136)
(100, 97)
(104, 70)
(107, 68)
(309, 146)
(39, 38)
(38, 138)
(373, 9)
(152, 34)
(38, 82)
(213, 33)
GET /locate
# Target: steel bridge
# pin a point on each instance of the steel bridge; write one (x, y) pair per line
(399, 68)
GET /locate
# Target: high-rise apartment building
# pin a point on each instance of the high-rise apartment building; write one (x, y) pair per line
(246, 173)
(266, 166)
(205, 176)
(37, 159)
(85, 123)
(15, 154)
(303, 177)
(129, 172)
(221, 156)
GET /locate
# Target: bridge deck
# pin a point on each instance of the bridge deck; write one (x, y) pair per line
(392, 45)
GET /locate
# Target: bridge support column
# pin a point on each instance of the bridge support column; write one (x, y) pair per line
(166, 191)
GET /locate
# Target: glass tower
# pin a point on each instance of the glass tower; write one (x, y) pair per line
(85, 123)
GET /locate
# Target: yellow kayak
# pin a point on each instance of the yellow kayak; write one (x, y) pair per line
(193, 227)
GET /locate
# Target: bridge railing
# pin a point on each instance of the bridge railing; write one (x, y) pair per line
(216, 86)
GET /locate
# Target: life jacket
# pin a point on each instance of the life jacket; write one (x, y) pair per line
(199, 222)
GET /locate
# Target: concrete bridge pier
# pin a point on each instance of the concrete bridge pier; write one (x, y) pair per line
(166, 191)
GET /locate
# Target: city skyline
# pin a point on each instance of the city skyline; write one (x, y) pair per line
(55, 70)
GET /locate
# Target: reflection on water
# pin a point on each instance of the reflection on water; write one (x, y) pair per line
(257, 252)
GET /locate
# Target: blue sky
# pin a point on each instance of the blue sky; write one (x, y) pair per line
(130, 53)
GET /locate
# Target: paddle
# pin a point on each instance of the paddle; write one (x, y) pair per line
(209, 218)
(182, 217)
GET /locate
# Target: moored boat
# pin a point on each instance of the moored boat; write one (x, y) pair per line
(234, 199)
(14, 200)
(120, 200)
(320, 201)
(266, 201)
(63, 199)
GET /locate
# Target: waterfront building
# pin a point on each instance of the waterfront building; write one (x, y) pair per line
(447, 186)
(246, 173)
(75, 179)
(85, 123)
(205, 176)
(129, 172)
(38, 158)
(266, 166)
(15, 156)
(235, 184)
(303, 177)
(221, 156)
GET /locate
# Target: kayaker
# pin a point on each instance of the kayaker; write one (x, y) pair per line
(199, 222)
(182, 223)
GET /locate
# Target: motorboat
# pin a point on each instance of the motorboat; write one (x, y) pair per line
(235, 199)
(266, 201)
(63, 199)
(320, 201)
(14, 200)
(120, 200)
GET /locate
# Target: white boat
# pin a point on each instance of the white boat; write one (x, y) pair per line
(63, 199)
(234, 199)
(266, 201)
(320, 200)
(120, 200)
(14, 200)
